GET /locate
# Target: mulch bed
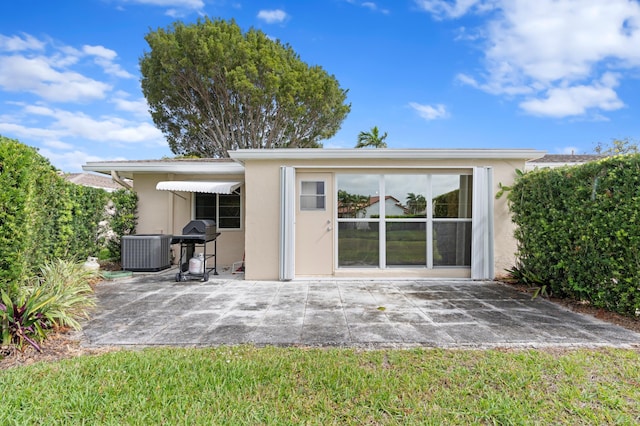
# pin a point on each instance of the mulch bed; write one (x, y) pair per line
(59, 345)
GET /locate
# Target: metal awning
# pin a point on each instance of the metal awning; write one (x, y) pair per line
(198, 186)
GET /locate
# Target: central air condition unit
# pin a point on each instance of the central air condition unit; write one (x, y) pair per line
(146, 252)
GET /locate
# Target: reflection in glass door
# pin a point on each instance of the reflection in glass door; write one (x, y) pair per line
(358, 220)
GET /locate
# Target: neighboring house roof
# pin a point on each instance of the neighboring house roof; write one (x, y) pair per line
(550, 161)
(397, 203)
(93, 181)
(374, 199)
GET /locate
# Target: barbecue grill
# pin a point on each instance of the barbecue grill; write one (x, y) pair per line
(196, 234)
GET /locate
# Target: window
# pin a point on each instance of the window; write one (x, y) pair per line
(404, 220)
(312, 195)
(225, 209)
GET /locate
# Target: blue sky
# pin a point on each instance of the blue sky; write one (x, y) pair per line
(555, 75)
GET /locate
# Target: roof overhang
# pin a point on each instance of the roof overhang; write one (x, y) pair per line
(176, 166)
(198, 186)
(242, 155)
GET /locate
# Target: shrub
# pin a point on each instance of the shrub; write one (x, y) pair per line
(122, 219)
(20, 209)
(22, 320)
(578, 231)
(59, 297)
(43, 217)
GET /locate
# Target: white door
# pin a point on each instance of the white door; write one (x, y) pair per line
(314, 229)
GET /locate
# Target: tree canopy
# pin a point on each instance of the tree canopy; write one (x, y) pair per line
(212, 88)
(372, 139)
(617, 147)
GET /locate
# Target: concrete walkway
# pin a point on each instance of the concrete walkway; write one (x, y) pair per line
(156, 310)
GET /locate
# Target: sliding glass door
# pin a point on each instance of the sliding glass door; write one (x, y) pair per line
(404, 220)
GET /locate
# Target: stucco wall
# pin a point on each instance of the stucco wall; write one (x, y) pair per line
(262, 179)
(162, 212)
(262, 220)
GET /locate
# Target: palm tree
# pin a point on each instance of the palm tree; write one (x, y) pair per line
(416, 203)
(372, 139)
(351, 205)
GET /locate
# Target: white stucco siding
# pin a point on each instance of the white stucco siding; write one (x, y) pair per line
(262, 181)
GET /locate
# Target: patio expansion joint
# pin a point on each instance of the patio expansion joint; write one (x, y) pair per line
(304, 312)
(271, 303)
(414, 306)
(344, 315)
(390, 322)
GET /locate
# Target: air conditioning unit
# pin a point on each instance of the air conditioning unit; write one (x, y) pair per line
(146, 252)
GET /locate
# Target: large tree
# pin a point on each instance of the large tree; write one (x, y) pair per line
(212, 88)
(373, 138)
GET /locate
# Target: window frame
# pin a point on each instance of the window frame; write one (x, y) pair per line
(311, 196)
(429, 220)
(240, 216)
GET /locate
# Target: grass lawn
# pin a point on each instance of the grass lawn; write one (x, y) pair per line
(248, 385)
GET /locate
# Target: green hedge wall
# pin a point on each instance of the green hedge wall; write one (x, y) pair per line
(42, 216)
(578, 231)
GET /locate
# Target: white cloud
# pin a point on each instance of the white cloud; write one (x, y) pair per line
(68, 161)
(56, 144)
(455, 9)
(46, 69)
(23, 132)
(557, 53)
(430, 112)
(576, 100)
(179, 4)
(138, 107)
(99, 51)
(37, 76)
(550, 40)
(105, 58)
(56, 124)
(374, 7)
(272, 16)
(55, 73)
(17, 43)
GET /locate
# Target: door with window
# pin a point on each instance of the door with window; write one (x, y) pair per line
(314, 224)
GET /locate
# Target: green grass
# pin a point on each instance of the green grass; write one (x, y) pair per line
(248, 385)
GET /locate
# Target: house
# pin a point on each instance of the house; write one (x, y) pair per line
(280, 210)
(96, 181)
(553, 161)
(370, 206)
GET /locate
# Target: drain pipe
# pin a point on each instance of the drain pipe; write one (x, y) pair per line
(116, 177)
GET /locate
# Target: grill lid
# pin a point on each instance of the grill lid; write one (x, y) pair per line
(200, 226)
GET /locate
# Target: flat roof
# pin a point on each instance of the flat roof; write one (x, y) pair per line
(219, 166)
(384, 153)
(177, 166)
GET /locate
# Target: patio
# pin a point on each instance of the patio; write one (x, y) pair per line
(154, 309)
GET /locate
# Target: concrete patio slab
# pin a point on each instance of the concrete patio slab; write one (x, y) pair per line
(153, 309)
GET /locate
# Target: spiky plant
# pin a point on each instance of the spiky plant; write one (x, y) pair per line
(59, 297)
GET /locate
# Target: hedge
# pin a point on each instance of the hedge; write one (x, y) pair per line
(578, 231)
(42, 216)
